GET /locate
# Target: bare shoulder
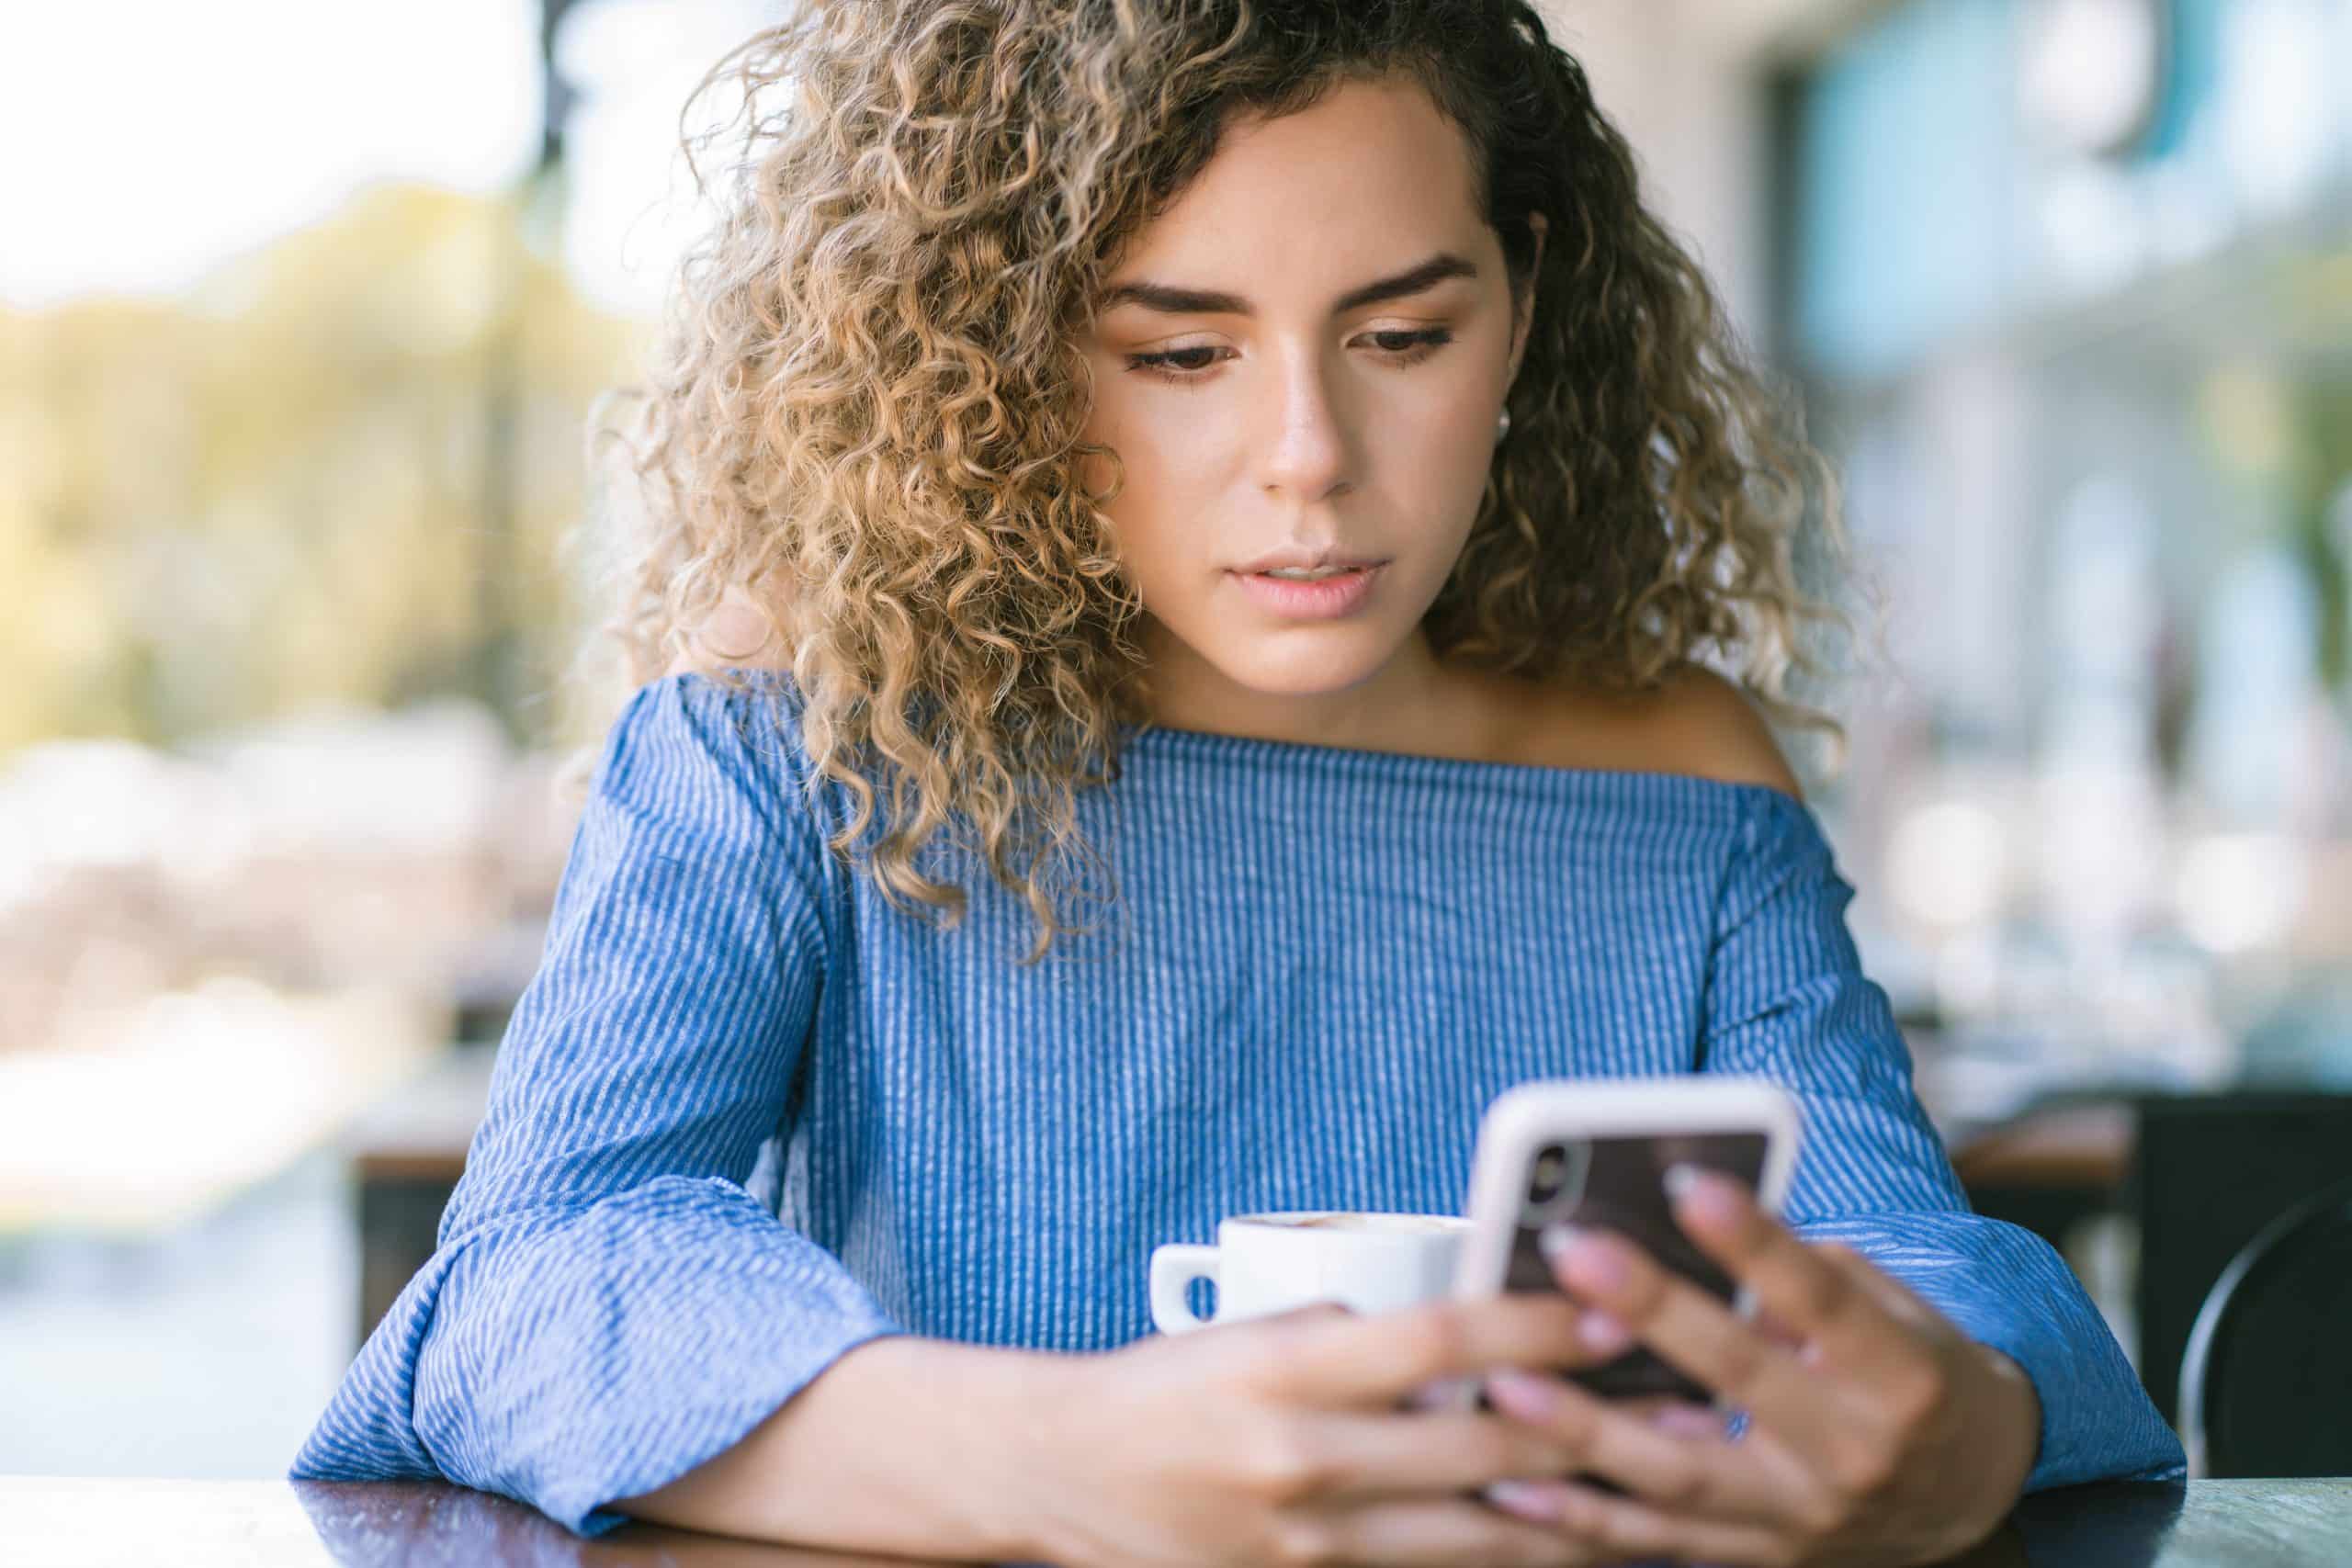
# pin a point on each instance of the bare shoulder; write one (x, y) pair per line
(1706, 724)
(1696, 722)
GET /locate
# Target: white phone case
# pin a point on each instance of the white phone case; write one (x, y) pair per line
(1523, 1118)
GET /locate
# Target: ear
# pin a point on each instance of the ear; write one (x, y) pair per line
(1523, 316)
(742, 632)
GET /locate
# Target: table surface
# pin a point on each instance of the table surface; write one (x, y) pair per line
(64, 1522)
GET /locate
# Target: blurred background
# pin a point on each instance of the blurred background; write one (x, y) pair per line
(302, 307)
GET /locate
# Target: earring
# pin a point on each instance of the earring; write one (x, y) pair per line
(1502, 426)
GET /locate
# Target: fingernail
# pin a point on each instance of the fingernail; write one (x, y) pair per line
(1703, 1190)
(1528, 1499)
(1584, 1259)
(1439, 1393)
(1602, 1334)
(1520, 1394)
(1688, 1421)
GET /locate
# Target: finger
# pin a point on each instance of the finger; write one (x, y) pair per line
(1443, 1451)
(1702, 1337)
(1795, 1284)
(1701, 1475)
(1667, 1411)
(1300, 1316)
(1410, 1533)
(1698, 1422)
(1381, 1358)
(1621, 1527)
(1779, 1333)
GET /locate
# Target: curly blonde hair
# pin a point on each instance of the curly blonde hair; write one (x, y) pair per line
(863, 410)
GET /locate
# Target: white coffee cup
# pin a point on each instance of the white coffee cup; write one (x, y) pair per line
(1271, 1262)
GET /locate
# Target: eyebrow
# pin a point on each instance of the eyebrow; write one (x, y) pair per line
(1208, 302)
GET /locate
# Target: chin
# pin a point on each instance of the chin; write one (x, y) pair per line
(1311, 665)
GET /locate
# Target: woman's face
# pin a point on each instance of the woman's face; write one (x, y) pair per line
(1304, 356)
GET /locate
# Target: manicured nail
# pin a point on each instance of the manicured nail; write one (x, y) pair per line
(1706, 1192)
(1528, 1499)
(1688, 1421)
(1696, 1426)
(1603, 1335)
(1585, 1261)
(1522, 1395)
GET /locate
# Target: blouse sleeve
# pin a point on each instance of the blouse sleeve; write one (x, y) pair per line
(1787, 1000)
(608, 1305)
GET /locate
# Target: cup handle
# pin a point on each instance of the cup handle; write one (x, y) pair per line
(1173, 1269)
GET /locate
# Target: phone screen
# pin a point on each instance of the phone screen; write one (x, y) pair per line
(1616, 1183)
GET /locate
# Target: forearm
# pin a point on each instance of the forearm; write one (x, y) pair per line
(904, 1445)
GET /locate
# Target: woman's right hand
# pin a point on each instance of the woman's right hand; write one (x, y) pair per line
(1298, 1439)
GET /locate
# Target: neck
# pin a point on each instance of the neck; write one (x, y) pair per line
(1411, 703)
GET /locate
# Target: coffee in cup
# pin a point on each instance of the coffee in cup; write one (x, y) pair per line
(1264, 1263)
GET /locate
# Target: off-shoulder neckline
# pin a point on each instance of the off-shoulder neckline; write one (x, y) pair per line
(1212, 740)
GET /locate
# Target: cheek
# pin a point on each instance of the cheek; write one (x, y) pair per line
(1439, 461)
(1464, 431)
(1163, 446)
(1165, 466)
(1139, 536)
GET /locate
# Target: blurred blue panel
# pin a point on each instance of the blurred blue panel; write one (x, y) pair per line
(1914, 192)
(2192, 69)
(1909, 223)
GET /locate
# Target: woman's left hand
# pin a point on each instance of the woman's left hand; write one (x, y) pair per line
(1877, 1432)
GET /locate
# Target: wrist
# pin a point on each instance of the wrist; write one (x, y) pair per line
(969, 1422)
(2008, 1433)
(1017, 1404)
(2016, 1395)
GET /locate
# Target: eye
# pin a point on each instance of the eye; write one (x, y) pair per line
(1181, 365)
(1412, 347)
(1175, 364)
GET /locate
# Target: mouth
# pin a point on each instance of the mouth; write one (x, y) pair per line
(1290, 567)
(1321, 595)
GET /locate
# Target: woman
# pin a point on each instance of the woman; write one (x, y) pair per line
(1049, 348)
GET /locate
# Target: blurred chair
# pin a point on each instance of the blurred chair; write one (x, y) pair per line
(2197, 1175)
(2264, 1382)
(2209, 1171)
(405, 1155)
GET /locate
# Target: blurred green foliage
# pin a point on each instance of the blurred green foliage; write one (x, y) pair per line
(338, 469)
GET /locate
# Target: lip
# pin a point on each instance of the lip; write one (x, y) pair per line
(1326, 600)
(1305, 560)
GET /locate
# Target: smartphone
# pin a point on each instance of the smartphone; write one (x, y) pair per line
(1594, 1153)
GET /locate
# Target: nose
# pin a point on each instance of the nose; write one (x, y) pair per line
(1306, 457)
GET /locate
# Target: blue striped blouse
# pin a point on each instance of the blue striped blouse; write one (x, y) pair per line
(747, 1115)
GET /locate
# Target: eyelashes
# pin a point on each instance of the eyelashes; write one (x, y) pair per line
(1175, 364)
